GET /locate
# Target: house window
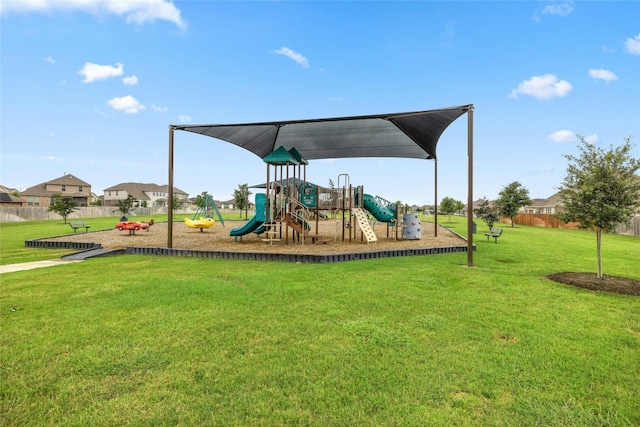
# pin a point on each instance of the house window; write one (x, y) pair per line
(64, 187)
(547, 210)
(79, 188)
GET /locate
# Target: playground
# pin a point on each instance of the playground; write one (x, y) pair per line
(216, 238)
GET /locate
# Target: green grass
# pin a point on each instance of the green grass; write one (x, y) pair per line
(145, 340)
(14, 234)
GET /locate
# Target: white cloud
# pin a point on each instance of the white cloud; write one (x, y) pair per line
(602, 74)
(632, 45)
(159, 109)
(93, 72)
(293, 55)
(134, 11)
(607, 49)
(184, 119)
(49, 59)
(52, 158)
(563, 136)
(128, 104)
(130, 81)
(561, 9)
(542, 87)
(592, 139)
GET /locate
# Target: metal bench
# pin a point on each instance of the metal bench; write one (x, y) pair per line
(495, 233)
(79, 224)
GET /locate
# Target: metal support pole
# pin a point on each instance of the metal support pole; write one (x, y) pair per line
(435, 196)
(170, 218)
(470, 188)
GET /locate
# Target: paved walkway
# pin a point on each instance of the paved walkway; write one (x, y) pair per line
(10, 268)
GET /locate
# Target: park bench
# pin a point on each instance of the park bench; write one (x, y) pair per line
(495, 233)
(79, 224)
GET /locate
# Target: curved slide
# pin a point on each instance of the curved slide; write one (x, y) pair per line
(380, 211)
(255, 222)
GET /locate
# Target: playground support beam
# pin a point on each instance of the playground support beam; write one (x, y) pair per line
(435, 195)
(470, 187)
(170, 203)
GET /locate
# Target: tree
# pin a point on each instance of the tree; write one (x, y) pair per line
(241, 198)
(126, 205)
(176, 203)
(200, 199)
(449, 206)
(601, 189)
(511, 199)
(487, 212)
(63, 205)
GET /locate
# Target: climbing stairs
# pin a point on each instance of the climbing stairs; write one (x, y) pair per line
(363, 223)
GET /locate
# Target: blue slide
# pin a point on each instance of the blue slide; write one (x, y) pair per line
(380, 211)
(254, 223)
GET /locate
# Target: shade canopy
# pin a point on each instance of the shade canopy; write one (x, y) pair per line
(406, 135)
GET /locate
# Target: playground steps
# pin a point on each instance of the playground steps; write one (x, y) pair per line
(272, 230)
(300, 229)
(363, 223)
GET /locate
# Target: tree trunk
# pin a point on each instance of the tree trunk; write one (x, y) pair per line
(599, 249)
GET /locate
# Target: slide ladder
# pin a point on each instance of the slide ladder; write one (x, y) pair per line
(363, 223)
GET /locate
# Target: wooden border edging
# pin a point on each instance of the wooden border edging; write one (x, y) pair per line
(296, 258)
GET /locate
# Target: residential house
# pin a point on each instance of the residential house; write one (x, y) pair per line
(229, 204)
(9, 199)
(151, 195)
(67, 185)
(551, 205)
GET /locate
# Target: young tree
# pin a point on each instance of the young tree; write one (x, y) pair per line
(511, 199)
(176, 203)
(126, 205)
(601, 189)
(63, 205)
(241, 198)
(449, 206)
(487, 212)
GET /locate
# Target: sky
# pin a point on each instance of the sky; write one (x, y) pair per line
(90, 88)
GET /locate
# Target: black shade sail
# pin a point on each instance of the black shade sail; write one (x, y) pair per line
(407, 135)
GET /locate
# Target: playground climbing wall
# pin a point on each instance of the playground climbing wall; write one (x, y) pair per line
(411, 227)
(363, 223)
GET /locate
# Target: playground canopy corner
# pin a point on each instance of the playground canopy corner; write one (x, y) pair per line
(405, 135)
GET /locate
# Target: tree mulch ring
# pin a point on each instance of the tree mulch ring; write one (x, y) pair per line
(612, 284)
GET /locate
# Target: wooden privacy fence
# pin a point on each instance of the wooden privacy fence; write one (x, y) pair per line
(18, 214)
(551, 221)
(11, 214)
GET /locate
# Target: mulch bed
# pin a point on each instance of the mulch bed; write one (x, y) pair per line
(612, 284)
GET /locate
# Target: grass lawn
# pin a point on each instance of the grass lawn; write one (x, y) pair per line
(413, 341)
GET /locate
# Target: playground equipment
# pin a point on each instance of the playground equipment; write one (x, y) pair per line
(200, 223)
(203, 217)
(411, 229)
(255, 223)
(290, 203)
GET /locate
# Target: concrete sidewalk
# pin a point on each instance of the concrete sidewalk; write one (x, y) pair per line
(10, 268)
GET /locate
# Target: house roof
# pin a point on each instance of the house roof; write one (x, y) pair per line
(9, 198)
(138, 190)
(68, 179)
(407, 135)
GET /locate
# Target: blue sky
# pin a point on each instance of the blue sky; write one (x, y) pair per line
(91, 87)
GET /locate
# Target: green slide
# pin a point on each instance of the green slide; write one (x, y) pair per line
(255, 222)
(381, 210)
